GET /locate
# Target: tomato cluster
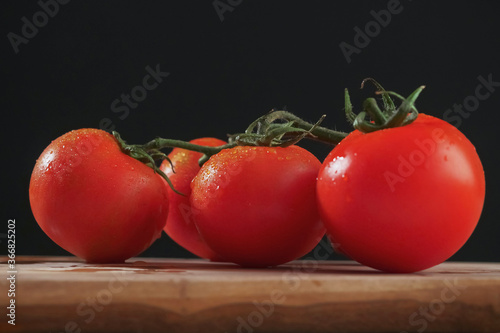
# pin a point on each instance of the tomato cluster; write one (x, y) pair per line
(399, 198)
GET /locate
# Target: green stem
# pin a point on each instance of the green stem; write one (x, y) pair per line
(350, 115)
(371, 107)
(265, 131)
(386, 98)
(378, 119)
(406, 113)
(160, 143)
(361, 124)
(319, 133)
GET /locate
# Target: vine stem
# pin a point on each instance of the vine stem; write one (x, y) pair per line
(317, 133)
(161, 143)
(268, 130)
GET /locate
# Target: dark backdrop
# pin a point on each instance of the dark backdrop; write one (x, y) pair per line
(230, 61)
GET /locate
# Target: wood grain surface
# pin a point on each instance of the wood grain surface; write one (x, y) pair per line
(64, 294)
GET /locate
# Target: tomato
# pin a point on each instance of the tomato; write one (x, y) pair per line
(95, 201)
(402, 199)
(256, 206)
(180, 226)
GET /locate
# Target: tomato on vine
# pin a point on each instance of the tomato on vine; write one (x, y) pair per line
(181, 168)
(256, 206)
(404, 191)
(95, 201)
(253, 201)
(401, 193)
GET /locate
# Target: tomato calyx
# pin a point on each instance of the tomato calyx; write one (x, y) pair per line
(373, 119)
(150, 152)
(146, 156)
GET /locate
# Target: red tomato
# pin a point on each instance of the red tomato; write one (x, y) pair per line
(180, 226)
(402, 199)
(95, 201)
(256, 206)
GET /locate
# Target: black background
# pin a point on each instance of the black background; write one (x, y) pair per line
(224, 74)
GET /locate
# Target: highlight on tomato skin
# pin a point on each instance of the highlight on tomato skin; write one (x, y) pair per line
(256, 206)
(402, 199)
(95, 201)
(181, 170)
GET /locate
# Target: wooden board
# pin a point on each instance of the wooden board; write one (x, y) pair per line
(63, 294)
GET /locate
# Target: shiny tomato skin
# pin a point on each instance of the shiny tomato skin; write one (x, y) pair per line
(95, 201)
(256, 206)
(180, 226)
(402, 199)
